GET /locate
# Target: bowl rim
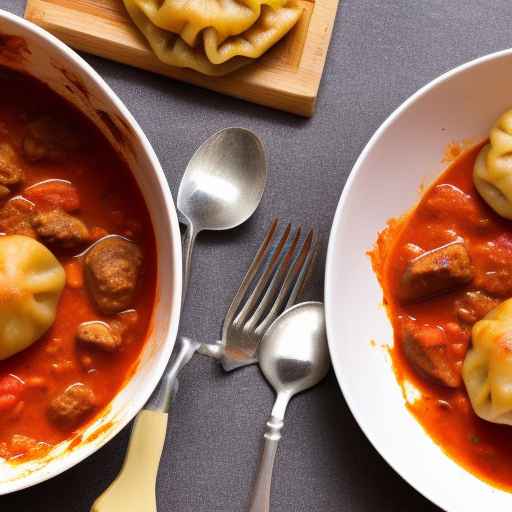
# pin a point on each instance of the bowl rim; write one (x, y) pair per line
(71, 458)
(329, 291)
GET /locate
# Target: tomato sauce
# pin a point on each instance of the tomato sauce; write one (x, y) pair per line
(445, 413)
(109, 203)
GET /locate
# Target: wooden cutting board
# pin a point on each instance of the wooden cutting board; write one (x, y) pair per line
(286, 78)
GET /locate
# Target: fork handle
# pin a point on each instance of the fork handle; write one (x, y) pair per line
(260, 500)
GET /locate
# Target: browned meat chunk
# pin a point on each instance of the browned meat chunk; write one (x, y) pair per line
(435, 272)
(72, 405)
(111, 270)
(427, 349)
(15, 218)
(493, 266)
(58, 227)
(10, 171)
(473, 307)
(102, 335)
(49, 138)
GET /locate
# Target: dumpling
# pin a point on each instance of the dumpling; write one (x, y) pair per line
(270, 27)
(188, 18)
(172, 50)
(487, 368)
(493, 168)
(215, 55)
(31, 280)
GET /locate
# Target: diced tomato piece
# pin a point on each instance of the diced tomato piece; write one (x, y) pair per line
(95, 233)
(21, 444)
(129, 318)
(505, 241)
(36, 382)
(10, 392)
(11, 385)
(493, 265)
(74, 274)
(461, 402)
(447, 201)
(456, 334)
(54, 194)
(7, 402)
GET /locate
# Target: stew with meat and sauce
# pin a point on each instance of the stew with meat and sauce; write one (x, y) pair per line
(443, 267)
(77, 269)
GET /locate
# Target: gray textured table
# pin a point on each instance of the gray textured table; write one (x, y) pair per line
(381, 52)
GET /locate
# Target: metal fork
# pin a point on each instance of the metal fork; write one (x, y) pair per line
(281, 282)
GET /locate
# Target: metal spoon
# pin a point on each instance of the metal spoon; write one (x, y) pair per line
(222, 186)
(293, 356)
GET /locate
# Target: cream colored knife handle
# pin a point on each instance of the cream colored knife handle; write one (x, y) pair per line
(134, 488)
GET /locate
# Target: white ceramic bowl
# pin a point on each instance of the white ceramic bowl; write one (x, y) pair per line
(404, 153)
(46, 58)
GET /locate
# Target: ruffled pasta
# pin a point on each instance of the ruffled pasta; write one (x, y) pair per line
(215, 55)
(172, 50)
(188, 18)
(493, 168)
(271, 26)
(31, 280)
(487, 369)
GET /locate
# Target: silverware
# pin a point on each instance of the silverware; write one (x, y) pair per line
(222, 186)
(293, 357)
(282, 274)
(164, 394)
(134, 487)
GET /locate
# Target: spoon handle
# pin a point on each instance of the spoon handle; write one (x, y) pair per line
(260, 500)
(188, 248)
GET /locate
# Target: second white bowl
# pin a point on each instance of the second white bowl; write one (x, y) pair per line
(404, 154)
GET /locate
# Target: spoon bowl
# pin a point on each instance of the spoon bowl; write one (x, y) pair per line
(224, 180)
(293, 354)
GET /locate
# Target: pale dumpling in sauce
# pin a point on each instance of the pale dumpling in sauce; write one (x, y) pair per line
(493, 168)
(487, 369)
(31, 281)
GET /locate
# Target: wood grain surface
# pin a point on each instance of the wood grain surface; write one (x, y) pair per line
(286, 78)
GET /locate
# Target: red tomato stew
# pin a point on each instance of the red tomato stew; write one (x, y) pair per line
(442, 268)
(64, 186)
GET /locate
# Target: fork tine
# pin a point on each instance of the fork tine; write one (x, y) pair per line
(305, 274)
(264, 279)
(294, 272)
(281, 271)
(250, 274)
